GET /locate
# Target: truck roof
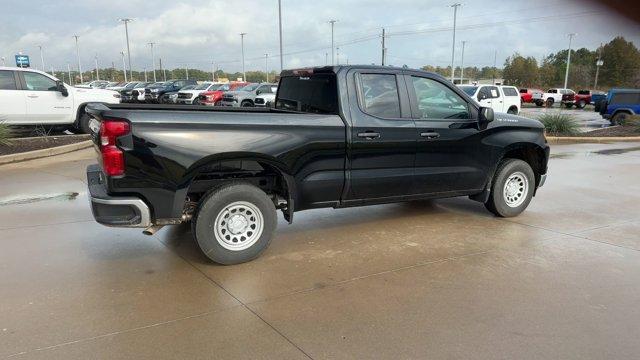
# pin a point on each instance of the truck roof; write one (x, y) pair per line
(337, 68)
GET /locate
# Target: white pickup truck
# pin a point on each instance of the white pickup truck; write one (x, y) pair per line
(504, 99)
(554, 96)
(32, 97)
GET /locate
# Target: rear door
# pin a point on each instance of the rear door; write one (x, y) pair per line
(383, 141)
(12, 100)
(45, 104)
(447, 155)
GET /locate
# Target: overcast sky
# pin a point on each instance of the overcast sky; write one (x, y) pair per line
(199, 32)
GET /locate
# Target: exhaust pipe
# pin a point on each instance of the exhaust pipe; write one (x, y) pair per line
(152, 229)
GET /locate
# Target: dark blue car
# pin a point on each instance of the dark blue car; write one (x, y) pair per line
(619, 104)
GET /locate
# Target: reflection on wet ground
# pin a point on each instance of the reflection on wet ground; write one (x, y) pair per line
(616, 151)
(28, 199)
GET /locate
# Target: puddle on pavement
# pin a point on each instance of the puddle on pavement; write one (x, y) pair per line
(597, 152)
(37, 198)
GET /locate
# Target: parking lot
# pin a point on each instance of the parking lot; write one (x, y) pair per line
(435, 279)
(587, 118)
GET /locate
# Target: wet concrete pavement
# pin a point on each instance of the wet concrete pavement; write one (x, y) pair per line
(432, 279)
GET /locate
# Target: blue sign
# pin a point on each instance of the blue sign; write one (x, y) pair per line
(22, 61)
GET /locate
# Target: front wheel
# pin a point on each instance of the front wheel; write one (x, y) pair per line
(581, 104)
(549, 102)
(568, 105)
(234, 223)
(512, 188)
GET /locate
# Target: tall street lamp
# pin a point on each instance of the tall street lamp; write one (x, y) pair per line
(126, 32)
(280, 29)
(244, 76)
(333, 59)
(153, 61)
(566, 73)
(453, 45)
(124, 66)
(462, 62)
(97, 71)
(78, 55)
(266, 66)
(41, 56)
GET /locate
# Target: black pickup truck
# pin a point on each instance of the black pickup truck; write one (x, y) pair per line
(336, 137)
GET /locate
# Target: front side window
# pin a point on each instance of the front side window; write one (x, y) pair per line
(552, 91)
(7, 81)
(380, 95)
(265, 89)
(625, 98)
(437, 101)
(39, 82)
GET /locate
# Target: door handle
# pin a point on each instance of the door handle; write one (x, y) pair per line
(369, 135)
(32, 96)
(430, 135)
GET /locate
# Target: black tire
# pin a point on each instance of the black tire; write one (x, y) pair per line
(196, 101)
(204, 225)
(568, 105)
(513, 110)
(246, 103)
(497, 203)
(581, 104)
(83, 123)
(539, 103)
(549, 102)
(619, 118)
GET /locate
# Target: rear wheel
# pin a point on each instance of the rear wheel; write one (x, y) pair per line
(83, 123)
(568, 105)
(512, 188)
(549, 102)
(234, 223)
(246, 103)
(619, 118)
(581, 104)
(539, 103)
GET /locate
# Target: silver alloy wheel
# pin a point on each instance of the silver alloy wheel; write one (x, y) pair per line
(515, 189)
(239, 225)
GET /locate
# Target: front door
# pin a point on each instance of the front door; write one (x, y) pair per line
(45, 104)
(383, 142)
(447, 157)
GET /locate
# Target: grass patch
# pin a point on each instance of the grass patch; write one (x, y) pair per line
(559, 124)
(5, 134)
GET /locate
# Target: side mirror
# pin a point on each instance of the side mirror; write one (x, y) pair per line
(63, 90)
(485, 116)
(258, 92)
(481, 96)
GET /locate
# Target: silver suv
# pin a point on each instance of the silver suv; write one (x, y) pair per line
(246, 96)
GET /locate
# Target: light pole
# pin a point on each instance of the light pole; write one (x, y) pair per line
(3, 63)
(78, 55)
(337, 56)
(126, 32)
(280, 29)
(213, 71)
(124, 66)
(495, 58)
(244, 76)
(145, 74)
(266, 66)
(332, 22)
(462, 62)
(69, 70)
(326, 58)
(566, 73)
(453, 45)
(384, 49)
(153, 61)
(97, 71)
(41, 56)
(599, 63)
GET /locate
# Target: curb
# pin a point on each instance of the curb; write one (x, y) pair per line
(37, 154)
(587, 139)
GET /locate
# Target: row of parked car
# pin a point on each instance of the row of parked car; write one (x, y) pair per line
(190, 92)
(564, 97)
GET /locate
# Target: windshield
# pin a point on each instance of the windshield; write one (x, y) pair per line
(583, 92)
(249, 87)
(202, 86)
(469, 90)
(314, 94)
(188, 87)
(156, 85)
(141, 85)
(130, 85)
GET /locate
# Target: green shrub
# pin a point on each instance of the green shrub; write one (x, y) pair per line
(632, 120)
(559, 124)
(5, 134)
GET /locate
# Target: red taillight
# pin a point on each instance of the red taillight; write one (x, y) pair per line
(112, 156)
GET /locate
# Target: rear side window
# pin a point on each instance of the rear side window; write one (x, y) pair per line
(523, 91)
(379, 93)
(583, 92)
(552, 91)
(625, 99)
(7, 81)
(510, 91)
(316, 94)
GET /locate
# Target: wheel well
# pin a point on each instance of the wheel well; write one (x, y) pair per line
(513, 107)
(625, 111)
(79, 113)
(259, 173)
(246, 101)
(531, 155)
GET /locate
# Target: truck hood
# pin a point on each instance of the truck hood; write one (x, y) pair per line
(98, 95)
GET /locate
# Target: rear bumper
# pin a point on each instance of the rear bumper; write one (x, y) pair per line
(125, 211)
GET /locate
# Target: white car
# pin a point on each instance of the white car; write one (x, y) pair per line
(93, 84)
(504, 99)
(264, 100)
(190, 96)
(32, 97)
(553, 96)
